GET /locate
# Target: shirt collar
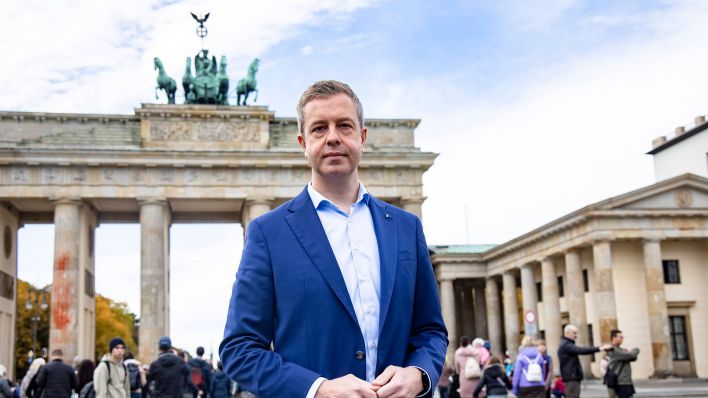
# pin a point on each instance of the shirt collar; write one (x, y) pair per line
(317, 198)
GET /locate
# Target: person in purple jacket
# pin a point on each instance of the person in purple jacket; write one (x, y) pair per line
(529, 375)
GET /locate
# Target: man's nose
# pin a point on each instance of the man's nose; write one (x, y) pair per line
(333, 134)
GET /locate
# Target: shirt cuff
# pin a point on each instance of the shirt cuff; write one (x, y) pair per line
(313, 388)
(425, 374)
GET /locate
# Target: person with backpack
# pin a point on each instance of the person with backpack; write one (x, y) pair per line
(110, 379)
(529, 377)
(200, 371)
(568, 352)
(84, 374)
(619, 371)
(495, 380)
(136, 375)
(221, 384)
(468, 365)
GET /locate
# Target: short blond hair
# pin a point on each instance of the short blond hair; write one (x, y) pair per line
(527, 341)
(326, 89)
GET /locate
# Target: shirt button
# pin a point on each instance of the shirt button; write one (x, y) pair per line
(359, 355)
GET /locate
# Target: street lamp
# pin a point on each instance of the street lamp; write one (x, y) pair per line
(36, 306)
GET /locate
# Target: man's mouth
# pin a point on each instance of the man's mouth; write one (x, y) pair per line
(334, 154)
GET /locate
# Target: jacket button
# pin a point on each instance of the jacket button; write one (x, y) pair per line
(359, 355)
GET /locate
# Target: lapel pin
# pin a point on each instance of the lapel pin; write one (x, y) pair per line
(388, 216)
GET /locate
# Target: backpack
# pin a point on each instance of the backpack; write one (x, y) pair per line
(197, 377)
(87, 391)
(534, 372)
(134, 376)
(472, 369)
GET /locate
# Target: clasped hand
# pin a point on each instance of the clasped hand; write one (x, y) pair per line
(394, 382)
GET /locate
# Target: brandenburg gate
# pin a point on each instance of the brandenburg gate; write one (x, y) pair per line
(164, 164)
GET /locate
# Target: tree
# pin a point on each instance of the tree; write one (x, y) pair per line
(113, 319)
(25, 327)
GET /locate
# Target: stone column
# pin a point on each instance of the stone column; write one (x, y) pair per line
(528, 295)
(511, 313)
(658, 312)
(413, 205)
(605, 289)
(575, 298)
(9, 224)
(551, 307)
(254, 207)
(480, 313)
(154, 276)
(64, 329)
(494, 321)
(447, 304)
(87, 299)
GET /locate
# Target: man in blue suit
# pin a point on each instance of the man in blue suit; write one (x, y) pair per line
(335, 295)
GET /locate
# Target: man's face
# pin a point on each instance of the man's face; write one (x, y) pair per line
(618, 339)
(332, 139)
(118, 351)
(541, 348)
(572, 334)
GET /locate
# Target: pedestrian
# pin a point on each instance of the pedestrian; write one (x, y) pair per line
(110, 379)
(221, 384)
(570, 369)
(169, 372)
(28, 387)
(6, 389)
(56, 379)
(200, 372)
(620, 366)
(84, 374)
(335, 289)
(558, 388)
(468, 364)
(529, 380)
(444, 383)
(494, 379)
(136, 375)
(484, 353)
(547, 364)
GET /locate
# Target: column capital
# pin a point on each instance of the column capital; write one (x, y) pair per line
(259, 200)
(412, 200)
(152, 201)
(66, 200)
(652, 239)
(547, 259)
(572, 250)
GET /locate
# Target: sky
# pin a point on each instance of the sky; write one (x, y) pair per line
(536, 108)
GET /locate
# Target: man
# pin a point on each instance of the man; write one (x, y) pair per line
(619, 365)
(339, 282)
(201, 372)
(169, 373)
(56, 379)
(570, 369)
(110, 379)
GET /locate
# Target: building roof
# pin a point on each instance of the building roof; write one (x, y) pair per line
(459, 249)
(678, 138)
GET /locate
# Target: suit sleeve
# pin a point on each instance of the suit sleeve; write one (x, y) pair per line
(250, 325)
(428, 339)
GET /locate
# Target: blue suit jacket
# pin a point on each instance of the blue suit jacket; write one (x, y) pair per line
(289, 291)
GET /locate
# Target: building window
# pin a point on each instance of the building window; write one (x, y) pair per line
(539, 291)
(586, 281)
(671, 271)
(561, 291)
(679, 345)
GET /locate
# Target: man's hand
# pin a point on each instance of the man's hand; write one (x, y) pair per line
(397, 382)
(348, 386)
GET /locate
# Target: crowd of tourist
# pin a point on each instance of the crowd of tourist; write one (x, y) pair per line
(475, 370)
(173, 374)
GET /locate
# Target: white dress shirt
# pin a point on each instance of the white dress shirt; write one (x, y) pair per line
(353, 241)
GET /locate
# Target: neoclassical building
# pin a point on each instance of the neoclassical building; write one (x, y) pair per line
(637, 262)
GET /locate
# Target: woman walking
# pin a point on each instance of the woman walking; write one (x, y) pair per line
(529, 375)
(494, 378)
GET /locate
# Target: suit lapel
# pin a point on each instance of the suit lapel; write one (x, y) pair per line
(387, 241)
(307, 227)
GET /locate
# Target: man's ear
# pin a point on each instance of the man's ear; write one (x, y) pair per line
(301, 142)
(363, 137)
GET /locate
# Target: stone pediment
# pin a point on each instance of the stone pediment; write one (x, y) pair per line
(687, 191)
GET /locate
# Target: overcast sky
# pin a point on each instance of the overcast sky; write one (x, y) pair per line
(536, 108)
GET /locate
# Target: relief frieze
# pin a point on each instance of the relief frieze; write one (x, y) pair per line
(205, 131)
